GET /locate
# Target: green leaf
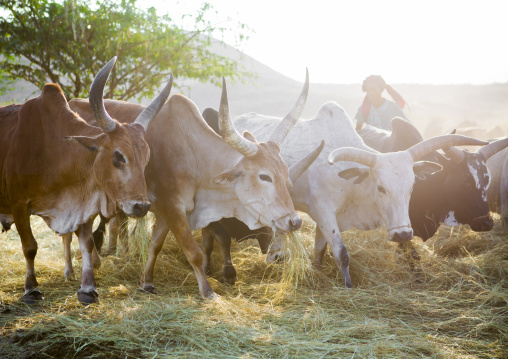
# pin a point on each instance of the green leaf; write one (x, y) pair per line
(67, 42)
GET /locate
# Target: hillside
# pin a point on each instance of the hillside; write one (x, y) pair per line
(434, 109)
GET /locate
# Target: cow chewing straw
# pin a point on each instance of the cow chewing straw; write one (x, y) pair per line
(284, 279)
(454, 306)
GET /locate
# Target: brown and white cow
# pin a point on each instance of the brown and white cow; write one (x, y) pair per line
(195, 177)
(55, 165)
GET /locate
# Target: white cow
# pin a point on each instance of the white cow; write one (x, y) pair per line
(363, 188)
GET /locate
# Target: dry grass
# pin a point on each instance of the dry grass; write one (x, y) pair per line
(455, 306)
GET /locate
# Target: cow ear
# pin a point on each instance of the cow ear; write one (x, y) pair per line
(228, 176)
(249, 136)
(421, 168)
(360, 173)
(91, 143)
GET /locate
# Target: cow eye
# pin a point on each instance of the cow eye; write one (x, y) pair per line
(118, 159)
(265, 178)
(381, 189)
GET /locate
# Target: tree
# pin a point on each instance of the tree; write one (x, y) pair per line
(5, 81)
(67, 42)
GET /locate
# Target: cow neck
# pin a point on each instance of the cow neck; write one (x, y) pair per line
(216, 201)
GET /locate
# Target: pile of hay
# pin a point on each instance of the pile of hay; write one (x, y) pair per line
(454, 305)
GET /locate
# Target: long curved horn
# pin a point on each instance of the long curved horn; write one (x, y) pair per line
(455, 154)
(421, 149)
(149, 113)
(280, 132)
(352, 154)
(299, 167)
(492, 148)
(228, 131)
(96, 98)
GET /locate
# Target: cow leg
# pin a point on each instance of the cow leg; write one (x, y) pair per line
(98, 234)
(224, 241)
(68, 270)
(21, 217)
(180, 228)
(319, 249)
(96, 258)
(264, 240)
(123, 234)
(159, 232)
(207, 248)
(328, 229)
(113, 235)
(87, 293)
(118, 227)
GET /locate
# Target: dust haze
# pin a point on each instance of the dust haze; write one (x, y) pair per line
(476, 110)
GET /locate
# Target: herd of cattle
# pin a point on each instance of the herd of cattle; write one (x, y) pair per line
(68, 162)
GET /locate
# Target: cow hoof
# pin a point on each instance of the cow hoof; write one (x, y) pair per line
(148, 289)
(229, 275)
(88, 298)
(230, 281)
(32, 297)
(348, 284)
(210, 295)
(69, 276)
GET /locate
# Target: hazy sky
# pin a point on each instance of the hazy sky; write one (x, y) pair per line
(405, 41)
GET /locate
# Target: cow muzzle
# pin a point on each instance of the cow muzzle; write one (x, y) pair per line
(482, 224)
(400, 234)
(277, 253)
(278, 256)
(135, 208)
(288, 223)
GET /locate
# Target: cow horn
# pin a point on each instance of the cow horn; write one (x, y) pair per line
(455, 154)
(492, 148)
(287, 123)
(353, 154)
(421, 149)
(96, 98)
(299, 168)
(149, 113)
(228, 131)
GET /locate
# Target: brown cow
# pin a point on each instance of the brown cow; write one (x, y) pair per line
(196, 177)
(56, 166)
